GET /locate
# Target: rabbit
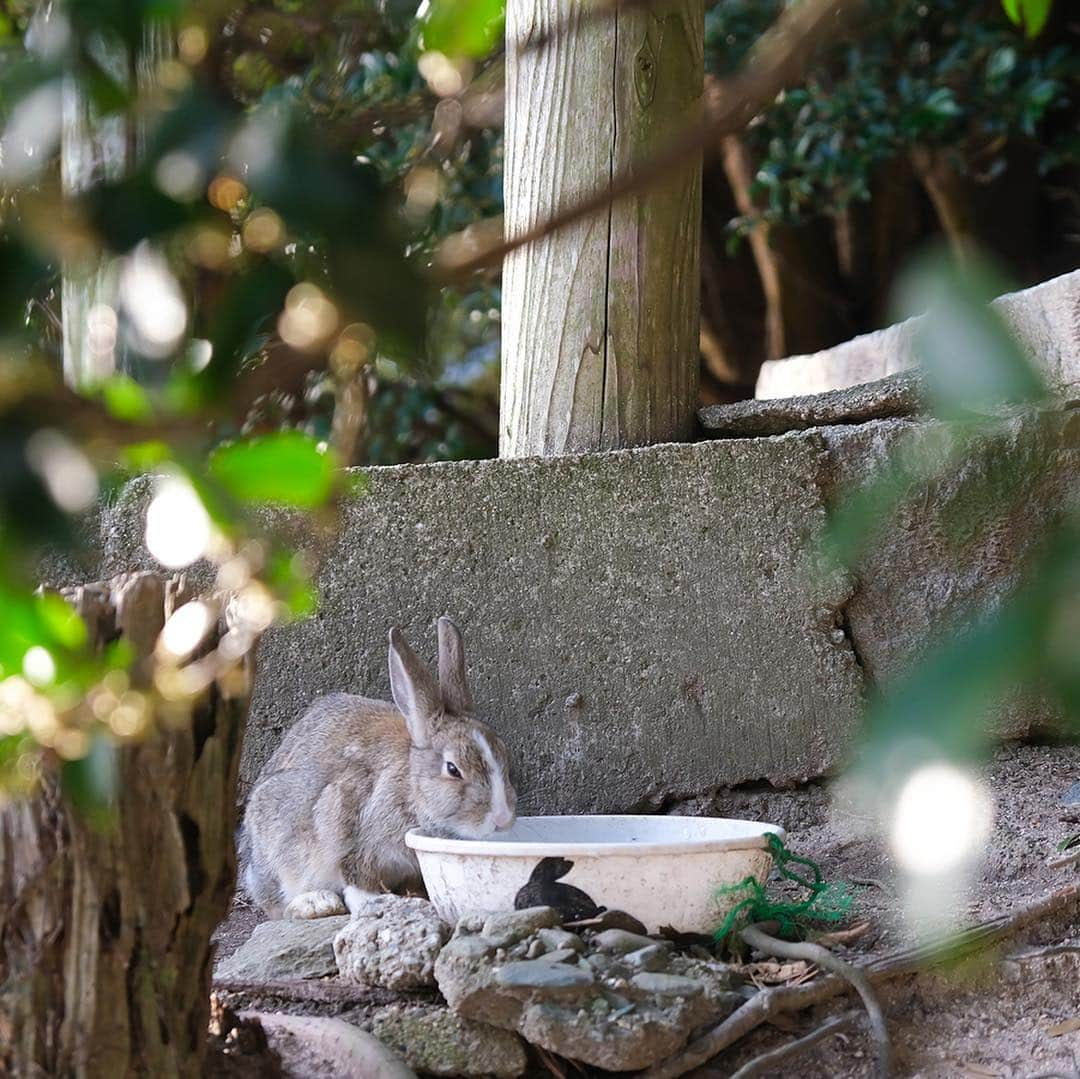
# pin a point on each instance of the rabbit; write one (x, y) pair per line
(325, 824)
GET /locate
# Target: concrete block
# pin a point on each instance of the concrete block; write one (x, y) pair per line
(637, 624)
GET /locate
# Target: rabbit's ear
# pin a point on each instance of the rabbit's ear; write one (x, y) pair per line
(452, 682)
(414, 690)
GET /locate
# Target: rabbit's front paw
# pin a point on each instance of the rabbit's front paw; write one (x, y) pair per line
(356, 899)
(322, 904)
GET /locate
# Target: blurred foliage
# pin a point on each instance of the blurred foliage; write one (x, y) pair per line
(245, 216)
(945, 706)
(952, 75)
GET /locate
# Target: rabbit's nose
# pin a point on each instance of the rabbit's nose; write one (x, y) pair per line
(503, 820)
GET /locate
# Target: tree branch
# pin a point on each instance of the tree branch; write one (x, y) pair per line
(777, 60)
(822, 957)
(774, 1058)
(770, 1002)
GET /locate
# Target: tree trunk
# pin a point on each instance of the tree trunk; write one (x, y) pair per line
(600, 320)
(732, 301)
(804, 308)
(105, 956)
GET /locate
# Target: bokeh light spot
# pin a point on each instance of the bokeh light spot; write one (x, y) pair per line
(178, 529)
(941, 819)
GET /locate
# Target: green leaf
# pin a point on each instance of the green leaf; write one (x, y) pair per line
(1036, 12)
(61, 621)
(464, 27)
(285, 468)
(944, 705)
(145, 456)
(125, 398)
(970, 359)
(1031, 14)
(863, 513)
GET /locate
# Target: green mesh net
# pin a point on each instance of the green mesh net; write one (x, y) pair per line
(825, 903)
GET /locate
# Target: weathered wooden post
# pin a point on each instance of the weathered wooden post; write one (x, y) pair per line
(600, 320)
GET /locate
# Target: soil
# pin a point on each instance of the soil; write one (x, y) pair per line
(1004, 1015)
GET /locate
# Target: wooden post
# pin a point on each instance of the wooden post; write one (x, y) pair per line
(600, 320)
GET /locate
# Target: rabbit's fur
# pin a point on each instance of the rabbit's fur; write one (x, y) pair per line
(328, 814)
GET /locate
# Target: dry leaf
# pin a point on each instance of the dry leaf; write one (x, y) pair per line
(843, 936)
(1066, 1026)
(770, 972)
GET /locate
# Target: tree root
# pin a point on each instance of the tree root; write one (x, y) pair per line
(782, 1055)
(816, 953)
(781, 999)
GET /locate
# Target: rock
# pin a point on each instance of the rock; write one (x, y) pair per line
(312, 1047)
(896, 395)
(391, 942)
(538, 974)
(666, 985)
(283, 950)
(512, 926)
(472, 922)
(593, 1008)
(473, 947)
(434, 1041)
(557, 939)
(620, 942)
(560, 955)
(652, 957)
(1070, 804)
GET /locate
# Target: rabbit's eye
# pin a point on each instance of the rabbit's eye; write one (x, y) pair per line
(452, 770)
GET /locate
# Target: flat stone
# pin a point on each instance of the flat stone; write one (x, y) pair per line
(560, 955)
(511, 926)
(285, 950)
(666, 985)
(1042, 318)
(620, 942)
(314, 1047)
(1071, 797)
(560, 939)
(435, 1041)
(896, 395)
(471, 947)
(391, 942)
(614, 1039)
(542, 975)
(652, 957)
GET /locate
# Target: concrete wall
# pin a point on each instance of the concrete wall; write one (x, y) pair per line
(652, 623)
(1045, 319)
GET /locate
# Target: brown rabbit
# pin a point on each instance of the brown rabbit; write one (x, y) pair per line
(327, 817)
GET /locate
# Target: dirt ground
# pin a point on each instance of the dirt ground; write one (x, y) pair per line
(998, 1017)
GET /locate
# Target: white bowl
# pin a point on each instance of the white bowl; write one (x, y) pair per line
(662, 870)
